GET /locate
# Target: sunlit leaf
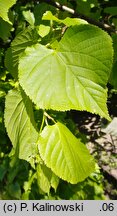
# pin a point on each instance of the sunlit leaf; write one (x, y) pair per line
(65, 154)
(43, 178)
(20, 124)
(43, 30)
(29, 17)
(5, 5)
(74, 75)
(67, 21)
(46, 178)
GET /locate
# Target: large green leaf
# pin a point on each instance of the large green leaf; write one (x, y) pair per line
(65, 154)
(74, 75)
(5, 5)
(20, 125)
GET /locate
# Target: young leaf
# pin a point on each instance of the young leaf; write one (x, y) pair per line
(65, 154)
(67, 21)
(5, 5)
(20, 125)
(49, 16)
(29, 17)
(43, 30)
(74, 75)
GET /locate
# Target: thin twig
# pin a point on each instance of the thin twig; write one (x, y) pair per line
(49, 117)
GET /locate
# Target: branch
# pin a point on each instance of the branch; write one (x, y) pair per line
(104, 26)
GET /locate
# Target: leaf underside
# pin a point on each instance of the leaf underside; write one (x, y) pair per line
(20, 125)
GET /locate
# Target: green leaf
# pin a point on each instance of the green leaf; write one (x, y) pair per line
(40, 9)
(14, 190)
(46, 178)
(43, 30)
(3, 170)
(114, 20)
(5, 5)
(54, 181)
(20, 124)
(111, 10)
(49, 16)
(73, 21)
(74, 75)
(114, 37)
(29, 17)
(84, 6)
(5, 29)
(113, 75)
(43, 178)
(67, 21)
(65, 154)
(25, 38)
